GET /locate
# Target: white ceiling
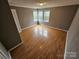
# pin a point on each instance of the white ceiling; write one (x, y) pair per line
(49, 3)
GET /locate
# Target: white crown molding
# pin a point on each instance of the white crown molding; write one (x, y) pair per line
(52, 4)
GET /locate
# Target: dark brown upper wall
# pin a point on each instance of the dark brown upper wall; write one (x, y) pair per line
(72, 40)
(61, 17)
(9, 35)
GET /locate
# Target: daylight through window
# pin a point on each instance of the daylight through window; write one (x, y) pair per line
(41, 15)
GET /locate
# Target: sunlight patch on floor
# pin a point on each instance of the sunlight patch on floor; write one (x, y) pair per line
(41, 30)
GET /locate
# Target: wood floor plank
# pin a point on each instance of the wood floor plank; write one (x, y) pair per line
(41, 42)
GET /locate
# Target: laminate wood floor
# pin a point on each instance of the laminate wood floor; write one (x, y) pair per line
(41, 42)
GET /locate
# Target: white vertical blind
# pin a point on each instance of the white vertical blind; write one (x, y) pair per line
(46, 15)
(41, 15)
(35, 17)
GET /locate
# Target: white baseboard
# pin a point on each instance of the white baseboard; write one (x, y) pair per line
(21, 40)
(55, 28)
(9, 55)
(20, 31)
(28, 27)
(16, 46)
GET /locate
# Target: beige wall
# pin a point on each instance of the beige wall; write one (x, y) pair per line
(61, 17)
(25, 16)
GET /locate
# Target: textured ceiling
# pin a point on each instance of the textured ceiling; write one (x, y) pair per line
(49, 3)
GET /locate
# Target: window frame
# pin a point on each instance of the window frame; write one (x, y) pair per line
(43, 12)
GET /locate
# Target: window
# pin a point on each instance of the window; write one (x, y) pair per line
(46, 15)
(35, 15)
(41, 15)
